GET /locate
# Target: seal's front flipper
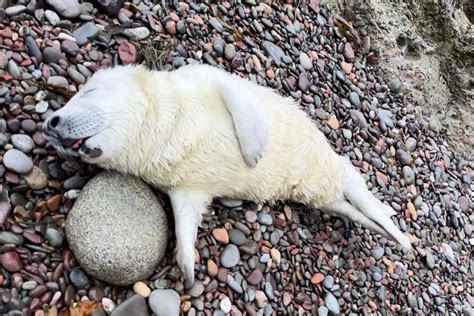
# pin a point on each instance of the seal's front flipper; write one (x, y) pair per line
(248, 117)
(188, 207)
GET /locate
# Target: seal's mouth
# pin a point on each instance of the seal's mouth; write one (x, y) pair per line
(73, 147)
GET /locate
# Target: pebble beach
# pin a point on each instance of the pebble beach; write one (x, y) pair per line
(252, 259)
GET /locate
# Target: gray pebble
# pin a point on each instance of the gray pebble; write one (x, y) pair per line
(395, 85)
(377, 252)
(229, 51)
(52, 17)
(17, 161)
(328, 282)
(323, 311)
(137, 33)
(403, 156)
(13, 69)
(10, 238)
(164, 302)
(86, 32)
(265, 219)
(305, 62)
(58, 81)
(354, 98)
(79, 278)
(15, 10)
(197, 289)
(408, 175)
(237, 237)
(230, 256)
(135, 305)
(386, 117)
(70, 47)
(55, 237)
(332, 304)
(274, 51)
(23, 143)
(52, 55)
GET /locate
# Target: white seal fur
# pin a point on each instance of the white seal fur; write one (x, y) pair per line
(198, 133)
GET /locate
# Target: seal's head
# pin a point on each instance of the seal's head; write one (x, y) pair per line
(98, 123)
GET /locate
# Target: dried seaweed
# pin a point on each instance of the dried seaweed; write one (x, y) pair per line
(53, 88)
(347, 30)
(155, 52)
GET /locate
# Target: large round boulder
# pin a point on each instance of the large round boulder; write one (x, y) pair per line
(117, 229)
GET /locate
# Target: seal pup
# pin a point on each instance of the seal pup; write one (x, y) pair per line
(198, 133)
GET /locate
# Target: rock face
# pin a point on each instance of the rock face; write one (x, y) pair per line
(117, 229)
(422, 45)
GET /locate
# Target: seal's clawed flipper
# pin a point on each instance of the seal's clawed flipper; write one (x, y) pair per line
(362, 207)
(249, 121)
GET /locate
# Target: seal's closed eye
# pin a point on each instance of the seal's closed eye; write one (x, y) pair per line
(87, 92)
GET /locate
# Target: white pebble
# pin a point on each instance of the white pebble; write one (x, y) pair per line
(108, 305)
(226, 305)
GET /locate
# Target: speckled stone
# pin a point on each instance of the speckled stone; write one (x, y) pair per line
(124, 207)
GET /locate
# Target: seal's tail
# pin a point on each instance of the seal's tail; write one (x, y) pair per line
(361, 206)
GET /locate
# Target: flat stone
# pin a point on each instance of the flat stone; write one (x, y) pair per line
(11, 261)
(230, 256)
(111, 7)
(164, 302)
(52, 17)
(135, 305)
(354, 98)
(349, 53)
(377, 252)
(332, 304)
(229, 51)
(17, 161)
(70, 47)
(142, 289)
(15, 10)
(5, 212)
(79, 278)
(137, 33)
(221, 235)
(55, 237)
(404, 157)
(131, 213)
(275, 52)
(127, 53)
(52, 55)
(66, 8)
(265, 219)
(76, 76)
(58, 81)
(408, 175)
(305, 62)
(255, 277)
(86, 32)
(36, 179)
(23, 142)
(196, 289)
(386, 117)
(10, 238)
(395, 85)
(237, 237)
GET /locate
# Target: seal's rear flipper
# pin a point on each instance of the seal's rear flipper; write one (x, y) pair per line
(356, 192)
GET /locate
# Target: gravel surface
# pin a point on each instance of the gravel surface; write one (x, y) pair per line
(252, 259)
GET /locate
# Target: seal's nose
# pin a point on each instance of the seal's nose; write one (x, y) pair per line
(53, 122)
(51, 125)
